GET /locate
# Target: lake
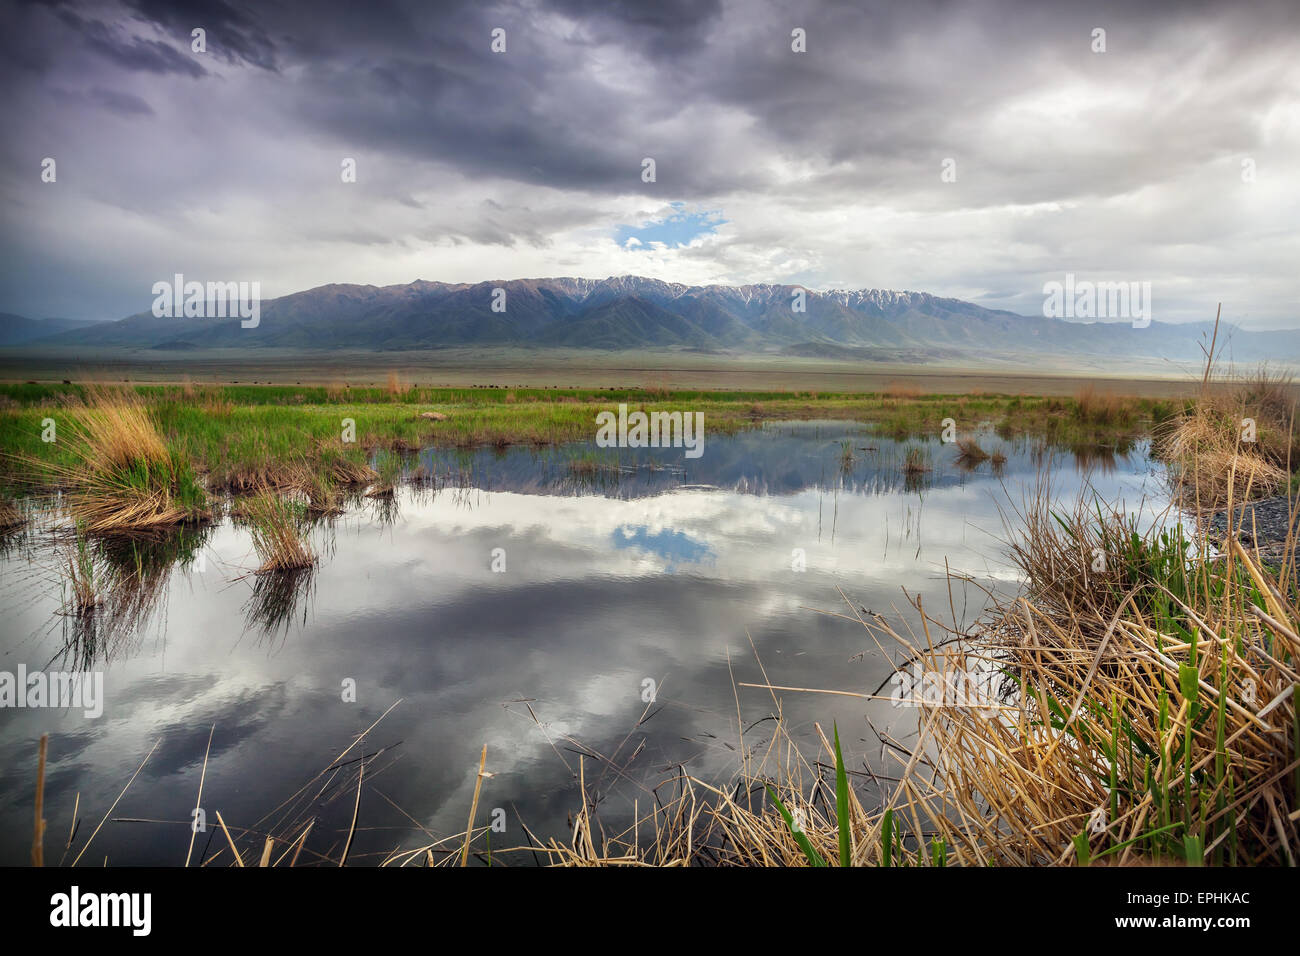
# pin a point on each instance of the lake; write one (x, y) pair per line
(547, 604)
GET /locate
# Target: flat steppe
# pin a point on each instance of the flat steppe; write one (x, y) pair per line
(589, 369)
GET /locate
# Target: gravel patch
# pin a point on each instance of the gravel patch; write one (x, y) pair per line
(1261, 524)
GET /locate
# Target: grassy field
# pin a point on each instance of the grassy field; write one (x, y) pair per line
(240, 437)
(585, 368)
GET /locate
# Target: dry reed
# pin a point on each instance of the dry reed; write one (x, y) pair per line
(124, 478)
(275, 524)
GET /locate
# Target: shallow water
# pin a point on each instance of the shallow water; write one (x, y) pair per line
(677, 571)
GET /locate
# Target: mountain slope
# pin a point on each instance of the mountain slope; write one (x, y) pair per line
(630, 312)
(19, 330)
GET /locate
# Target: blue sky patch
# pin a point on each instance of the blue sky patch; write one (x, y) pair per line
(673, 231)
(675, 547)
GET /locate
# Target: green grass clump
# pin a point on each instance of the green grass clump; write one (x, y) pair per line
(119, 471)
(389, 467)
(278, 528)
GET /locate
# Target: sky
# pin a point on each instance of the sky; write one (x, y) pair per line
(975, 150)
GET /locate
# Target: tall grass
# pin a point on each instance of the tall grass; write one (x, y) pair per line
(318, 488)
(81, 594)
(395, 387)
(1152, 708)
(1101, 408)
(1147, 713)
(389, 468)
(902, 390)
(122, 475)
(1238, 440)
(277, 526)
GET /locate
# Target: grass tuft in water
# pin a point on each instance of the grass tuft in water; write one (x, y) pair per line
(119, 472)
(278, 529)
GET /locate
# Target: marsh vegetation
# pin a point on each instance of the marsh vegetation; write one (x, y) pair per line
(1122, 682)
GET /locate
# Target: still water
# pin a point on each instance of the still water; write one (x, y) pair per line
(524, 603)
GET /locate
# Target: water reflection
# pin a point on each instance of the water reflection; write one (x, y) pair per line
(519, 600)
(279, 600)
(114, 589)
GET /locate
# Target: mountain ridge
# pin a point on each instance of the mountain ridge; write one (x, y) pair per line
(635, 312)
(20, 330)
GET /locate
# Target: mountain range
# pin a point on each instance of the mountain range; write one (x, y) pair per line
(19, 330)
(631, 312)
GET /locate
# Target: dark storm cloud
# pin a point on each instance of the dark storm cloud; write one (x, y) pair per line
(882, 89)
(825, 163)
(433, 91)
(235, 31)
(131, 52)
